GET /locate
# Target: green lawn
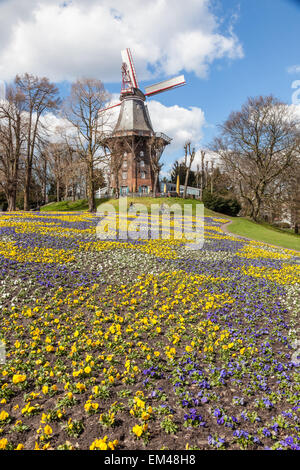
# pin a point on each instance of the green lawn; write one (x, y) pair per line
(82, 205)
(66, 206)
(147, 201)
(239, 226)
(264, 233)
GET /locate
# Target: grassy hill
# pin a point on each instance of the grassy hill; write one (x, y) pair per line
(238, 226)
(263, 232)
(68, 206)
(82, 205)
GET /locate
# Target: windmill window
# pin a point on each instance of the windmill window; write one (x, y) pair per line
(125, 164)
(124, 175)
(141, 154)
(142, 163)
(125, 155)
(143, 175)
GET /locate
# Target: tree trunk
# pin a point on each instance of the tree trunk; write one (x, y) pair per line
(45, 183)
(27, 189)
(11, 197)
(57, 190)
(186, 182)
(155, 184)
(202, 173)
(90, 187)
(117, 195)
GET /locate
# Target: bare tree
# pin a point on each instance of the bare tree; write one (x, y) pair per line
(257, 145)
(291, 195)
(203, 153)
(55, 157)
(212, 168)
(156, 148)
(11, 143)
(198, 176)
(116, 161)
(82, 110)
(64, 168)
(296, 204)
(189, 156)
(41, 170)
(74, 168)
(39, 96)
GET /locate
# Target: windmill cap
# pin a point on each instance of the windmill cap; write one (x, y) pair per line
(134, 114)
(134, 92)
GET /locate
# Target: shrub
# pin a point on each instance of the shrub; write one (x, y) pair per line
(3, 202)
(225, 204)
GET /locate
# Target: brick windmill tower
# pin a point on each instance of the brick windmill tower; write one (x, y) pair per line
(134, 146)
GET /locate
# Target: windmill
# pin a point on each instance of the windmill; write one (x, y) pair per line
(134, 146)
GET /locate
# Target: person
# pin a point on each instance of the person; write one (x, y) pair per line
(130, 209)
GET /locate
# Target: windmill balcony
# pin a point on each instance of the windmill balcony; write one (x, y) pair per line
(161, 135)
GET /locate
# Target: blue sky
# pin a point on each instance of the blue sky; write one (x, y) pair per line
(227, 49)
(269, 31)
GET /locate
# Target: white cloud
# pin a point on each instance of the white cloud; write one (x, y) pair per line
(294, 69)
(54, 126)
(2, 90)
(179, 123)
(210, 158)
(66, 40)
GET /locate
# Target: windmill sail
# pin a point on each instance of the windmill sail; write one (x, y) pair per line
(130, 87)
(128, 60)
(165, 85)
(110, 107)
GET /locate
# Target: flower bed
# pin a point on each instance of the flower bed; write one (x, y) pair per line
(144, 344)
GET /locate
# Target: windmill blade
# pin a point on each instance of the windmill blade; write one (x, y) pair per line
(128, 60)
(165, 85)
(110, 107)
